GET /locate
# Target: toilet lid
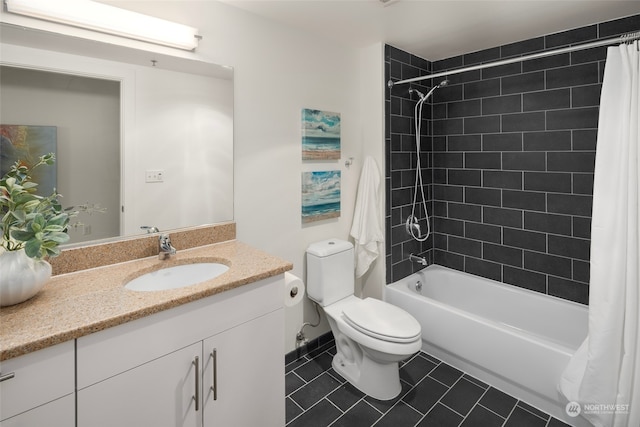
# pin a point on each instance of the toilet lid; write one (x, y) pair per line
(381, 320)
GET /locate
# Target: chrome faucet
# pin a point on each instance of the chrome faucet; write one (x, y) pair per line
(419, 259)
(165, 250)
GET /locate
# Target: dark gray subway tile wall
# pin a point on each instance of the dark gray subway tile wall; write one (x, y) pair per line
(508, 162)
(400, 162)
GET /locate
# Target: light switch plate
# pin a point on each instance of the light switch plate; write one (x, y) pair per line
(154, 175)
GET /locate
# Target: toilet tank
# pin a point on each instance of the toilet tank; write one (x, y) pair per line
(330, 271)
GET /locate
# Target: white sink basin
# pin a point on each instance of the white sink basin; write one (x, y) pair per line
(175, 277)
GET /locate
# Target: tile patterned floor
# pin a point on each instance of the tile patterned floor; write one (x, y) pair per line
(433, 394)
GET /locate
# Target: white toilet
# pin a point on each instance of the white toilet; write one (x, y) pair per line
(371, 336)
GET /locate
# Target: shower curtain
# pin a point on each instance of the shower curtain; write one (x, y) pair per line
(604, 374)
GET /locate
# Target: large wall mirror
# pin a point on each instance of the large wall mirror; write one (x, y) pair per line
(141, 139)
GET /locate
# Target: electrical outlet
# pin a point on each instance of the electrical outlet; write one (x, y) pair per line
(154, 176)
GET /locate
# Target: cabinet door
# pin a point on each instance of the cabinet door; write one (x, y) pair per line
(159, 393)
(248, 372)
(59, 413)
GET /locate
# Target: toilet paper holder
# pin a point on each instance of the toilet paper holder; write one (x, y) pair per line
(293, 292)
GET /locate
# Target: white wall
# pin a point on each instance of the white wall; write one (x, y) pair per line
(371, 95)
(278, 71)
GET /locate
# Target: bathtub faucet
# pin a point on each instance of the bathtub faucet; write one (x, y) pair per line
(418, 259)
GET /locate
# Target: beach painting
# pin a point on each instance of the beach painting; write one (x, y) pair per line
(320, 195)
(26, 143)
(320, 135)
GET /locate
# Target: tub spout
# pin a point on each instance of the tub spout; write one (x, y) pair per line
(418, 259)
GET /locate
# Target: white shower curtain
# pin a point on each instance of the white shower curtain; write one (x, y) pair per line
(604, 374)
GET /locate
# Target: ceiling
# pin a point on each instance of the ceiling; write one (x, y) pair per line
(436, 29)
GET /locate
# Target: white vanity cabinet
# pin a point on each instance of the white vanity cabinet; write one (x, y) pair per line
(38, 388)
(242, 375)
(158, 370)
(158, 393)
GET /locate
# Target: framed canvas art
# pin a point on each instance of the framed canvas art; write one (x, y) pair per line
(320, 135)
(320, 195)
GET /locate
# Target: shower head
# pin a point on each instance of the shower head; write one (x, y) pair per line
(424, 97)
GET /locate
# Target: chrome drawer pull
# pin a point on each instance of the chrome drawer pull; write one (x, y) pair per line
(214, 387)
(7, 376)
(197, 371)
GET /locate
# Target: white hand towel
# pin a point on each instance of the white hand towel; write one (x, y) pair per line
(366, 228)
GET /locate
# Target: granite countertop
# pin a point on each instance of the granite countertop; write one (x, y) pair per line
(77, 304)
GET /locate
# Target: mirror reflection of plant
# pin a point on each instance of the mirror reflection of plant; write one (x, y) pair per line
(35, 223)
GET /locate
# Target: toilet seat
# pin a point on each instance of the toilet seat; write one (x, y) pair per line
(381, 320)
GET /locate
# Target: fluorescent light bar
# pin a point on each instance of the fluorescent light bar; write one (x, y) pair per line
(108, 19)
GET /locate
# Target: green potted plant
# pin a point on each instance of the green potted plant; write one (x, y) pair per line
(32, 227)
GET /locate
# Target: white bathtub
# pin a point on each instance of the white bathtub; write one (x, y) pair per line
(516, 340)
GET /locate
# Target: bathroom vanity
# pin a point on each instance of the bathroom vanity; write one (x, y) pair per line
(88, 352)
(194, 361)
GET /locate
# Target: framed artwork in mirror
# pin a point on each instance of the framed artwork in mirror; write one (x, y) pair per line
(26, 143)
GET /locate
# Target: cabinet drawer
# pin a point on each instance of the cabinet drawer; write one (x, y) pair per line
(38, 378)
(59, 413)
(112, 351)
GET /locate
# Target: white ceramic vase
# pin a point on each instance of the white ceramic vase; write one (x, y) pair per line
(21, 277)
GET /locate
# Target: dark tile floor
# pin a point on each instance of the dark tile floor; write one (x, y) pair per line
(433, 394)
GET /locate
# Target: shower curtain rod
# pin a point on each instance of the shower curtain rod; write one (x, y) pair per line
(625, 38)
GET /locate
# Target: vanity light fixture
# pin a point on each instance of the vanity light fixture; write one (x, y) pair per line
(108, 19)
